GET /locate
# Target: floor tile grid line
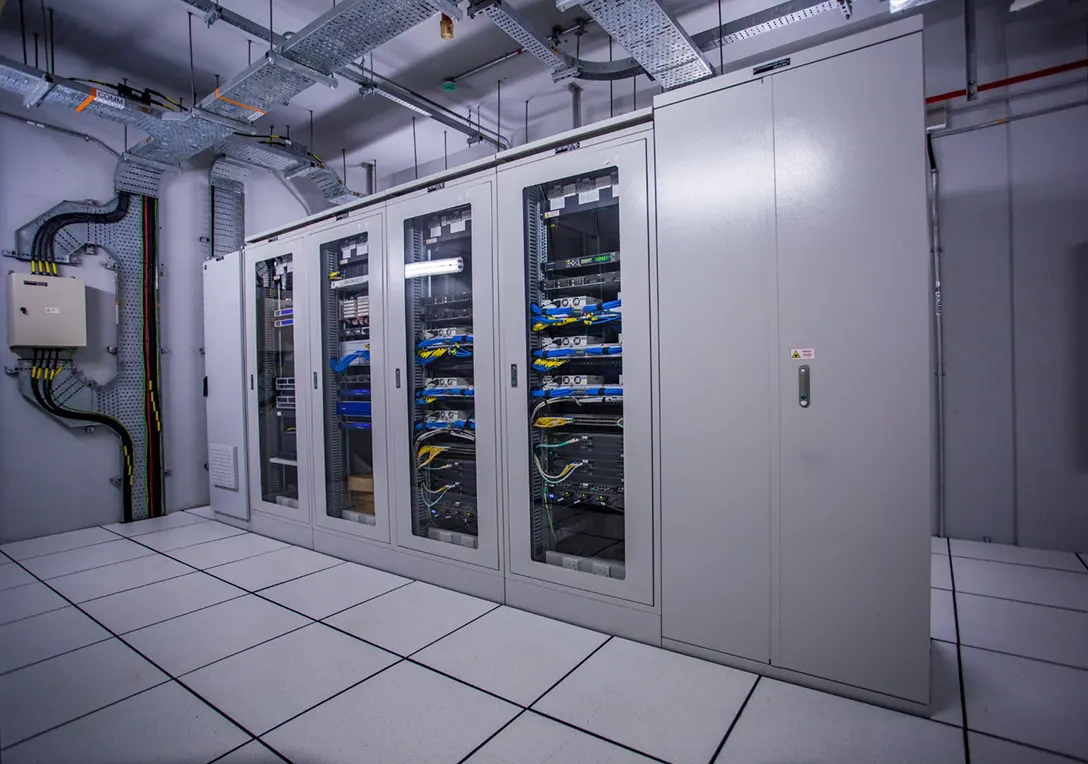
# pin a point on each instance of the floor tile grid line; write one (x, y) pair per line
(228, 562)
(256, 740)
(1032, 746)
(466, 623)
(538, 699)
(243, 593)
(954, 556)
(84, 570)
(110, 635)
(35, 581)
(166, 673)
(440, 672)
(132, 588)
(326, 700)
(736, 719)
(1083, 561)
(1024, 602)
(959, 658)
(597, 735)
(492, 736)
(1024, 657)
(59, 551)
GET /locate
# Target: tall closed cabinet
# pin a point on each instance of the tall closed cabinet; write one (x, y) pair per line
(796, 436)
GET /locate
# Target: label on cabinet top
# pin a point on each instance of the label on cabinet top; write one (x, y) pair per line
(802, 354)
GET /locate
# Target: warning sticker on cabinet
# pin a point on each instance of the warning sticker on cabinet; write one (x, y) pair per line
(803, 354)
(53, 311)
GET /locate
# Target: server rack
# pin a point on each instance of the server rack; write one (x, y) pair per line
(347, 405)
(574, 226)
(441, 337)
(279, 434)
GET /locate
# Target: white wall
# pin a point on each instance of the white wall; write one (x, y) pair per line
(53, 478)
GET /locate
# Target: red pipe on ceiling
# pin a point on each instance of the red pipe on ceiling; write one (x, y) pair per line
(1071, 66)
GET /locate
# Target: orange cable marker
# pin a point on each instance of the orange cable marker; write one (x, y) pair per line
(87, 101)
(236, 103)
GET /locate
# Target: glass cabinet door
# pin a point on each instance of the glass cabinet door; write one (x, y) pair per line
(575, 297)
(276, 361)
(449, 407)
(350, 478)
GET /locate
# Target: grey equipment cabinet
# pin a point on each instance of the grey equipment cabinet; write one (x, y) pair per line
(574, 233)
(277, 371)
(347, 362)
(440, 377)
(224, 386)
(798, 477)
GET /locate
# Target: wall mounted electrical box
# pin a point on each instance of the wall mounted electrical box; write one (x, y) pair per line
(46, 312)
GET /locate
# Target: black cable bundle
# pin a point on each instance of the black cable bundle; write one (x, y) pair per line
(152, 371)
(43, 256)
(47, 365)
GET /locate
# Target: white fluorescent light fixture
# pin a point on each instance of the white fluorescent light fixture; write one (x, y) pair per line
(895, 6)
(434, 267)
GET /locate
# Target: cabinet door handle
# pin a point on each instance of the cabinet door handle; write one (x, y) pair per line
(205, 387)
(396, 378)
(315, 380)
(513, 375)
(250, 381)
(804, 380)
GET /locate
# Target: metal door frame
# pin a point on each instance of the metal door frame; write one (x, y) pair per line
(630, 153)
(373, 222)
(294, 246)
(479, 191)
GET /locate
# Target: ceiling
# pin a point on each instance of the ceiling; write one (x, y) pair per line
(148, 39)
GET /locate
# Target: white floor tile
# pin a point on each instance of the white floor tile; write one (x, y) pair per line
(110, 579)
(665, 704)
(152, 524)
(405, 715)
(84, 558)
(46, 694)
(226, 550)
(944, 684)
(251, 753)
(1043, 558)
(267, 685)
(205, 511)
(59, 542)
(25, 601)
(164, 724)
(190, 641)
(44, 636)
(1041, 586)
(137, 608)
(11, 575)
(533, 739)
(940, 574)
(188, 535)
(1028, 701)
(938, 545)
(514, 654)
(1032, 631)
(329, 591)
(990, 750)
(262, 571)
(787, 723)
(411, 617)
(942, 615)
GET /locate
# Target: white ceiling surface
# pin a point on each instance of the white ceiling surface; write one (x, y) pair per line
(149, 39)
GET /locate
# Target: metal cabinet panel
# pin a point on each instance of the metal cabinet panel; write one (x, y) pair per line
(346, 393)
(463, 209)
(224, 391)
(584, 570)
(279, 433)
(717, 291)
(857, 454)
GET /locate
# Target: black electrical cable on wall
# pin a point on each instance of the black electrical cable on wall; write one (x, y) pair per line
(152, 370)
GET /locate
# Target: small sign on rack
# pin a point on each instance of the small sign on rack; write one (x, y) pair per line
(802, 354)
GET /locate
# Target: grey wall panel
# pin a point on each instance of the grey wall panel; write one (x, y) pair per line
(857, 463)
(1050, 278)
(716, 291)
(977, 299)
